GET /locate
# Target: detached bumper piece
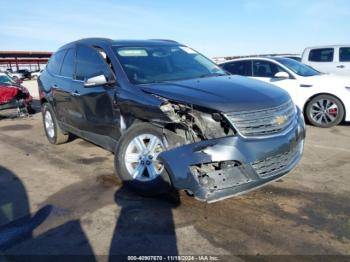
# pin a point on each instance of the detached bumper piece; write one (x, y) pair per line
(220, 168)
(15, 108)
(14, 103)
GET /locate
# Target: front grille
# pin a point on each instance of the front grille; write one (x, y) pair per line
(275, 164)
(263, 122)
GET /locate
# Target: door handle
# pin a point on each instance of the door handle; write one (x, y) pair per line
(303, 85)
(75, 93)
(341, 66)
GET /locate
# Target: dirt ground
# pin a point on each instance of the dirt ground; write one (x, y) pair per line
(306, 212)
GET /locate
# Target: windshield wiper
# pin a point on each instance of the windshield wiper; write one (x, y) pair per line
(212, 74)
(180, 79)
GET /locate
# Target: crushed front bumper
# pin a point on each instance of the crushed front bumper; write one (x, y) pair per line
(260, 161)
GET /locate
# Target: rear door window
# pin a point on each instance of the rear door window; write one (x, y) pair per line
(68, 64)
(344, 54)
(55, 63)
(243, 68)
(321, 55)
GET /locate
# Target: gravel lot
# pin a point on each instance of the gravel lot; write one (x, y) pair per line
(307, 212)
(32, 87)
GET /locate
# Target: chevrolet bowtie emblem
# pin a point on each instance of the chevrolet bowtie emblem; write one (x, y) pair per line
(279, 120)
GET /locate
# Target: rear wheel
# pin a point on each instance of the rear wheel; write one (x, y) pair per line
(53, 132)
(325, 111)
(136, 160)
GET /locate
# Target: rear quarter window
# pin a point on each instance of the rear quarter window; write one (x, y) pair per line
(68, 64)
(321, 55)
(55, 63)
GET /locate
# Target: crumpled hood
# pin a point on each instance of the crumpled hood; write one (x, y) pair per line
(223, 94)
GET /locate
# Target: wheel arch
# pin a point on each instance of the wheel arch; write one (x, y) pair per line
(128, 120)
(324, 93)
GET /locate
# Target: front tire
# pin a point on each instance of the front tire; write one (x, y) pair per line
(136, 160)
(325, 111)
(53, 132)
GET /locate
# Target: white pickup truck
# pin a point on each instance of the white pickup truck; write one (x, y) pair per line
(333, 59)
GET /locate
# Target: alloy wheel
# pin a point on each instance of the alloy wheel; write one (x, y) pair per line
(49, 125)
(324, 111)
(141, 157)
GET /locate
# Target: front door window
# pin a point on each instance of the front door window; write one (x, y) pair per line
(265, 69)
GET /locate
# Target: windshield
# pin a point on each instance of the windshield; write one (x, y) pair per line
(152, 64)
(297, 67)
(4, 79)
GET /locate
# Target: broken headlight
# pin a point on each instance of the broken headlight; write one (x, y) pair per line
(215, 126)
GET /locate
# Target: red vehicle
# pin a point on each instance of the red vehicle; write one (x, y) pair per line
(14, 96)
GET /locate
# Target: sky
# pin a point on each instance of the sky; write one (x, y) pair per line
(214, 28)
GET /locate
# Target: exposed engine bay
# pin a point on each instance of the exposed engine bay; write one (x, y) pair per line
(193, 125)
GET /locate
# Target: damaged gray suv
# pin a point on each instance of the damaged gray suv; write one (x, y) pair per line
(172, 117)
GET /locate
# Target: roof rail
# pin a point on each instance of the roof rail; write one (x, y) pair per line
(166, 40)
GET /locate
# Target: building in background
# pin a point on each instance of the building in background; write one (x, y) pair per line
(16, 60)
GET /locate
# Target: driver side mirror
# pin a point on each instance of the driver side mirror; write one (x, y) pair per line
(282, 75)
(98, 80)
